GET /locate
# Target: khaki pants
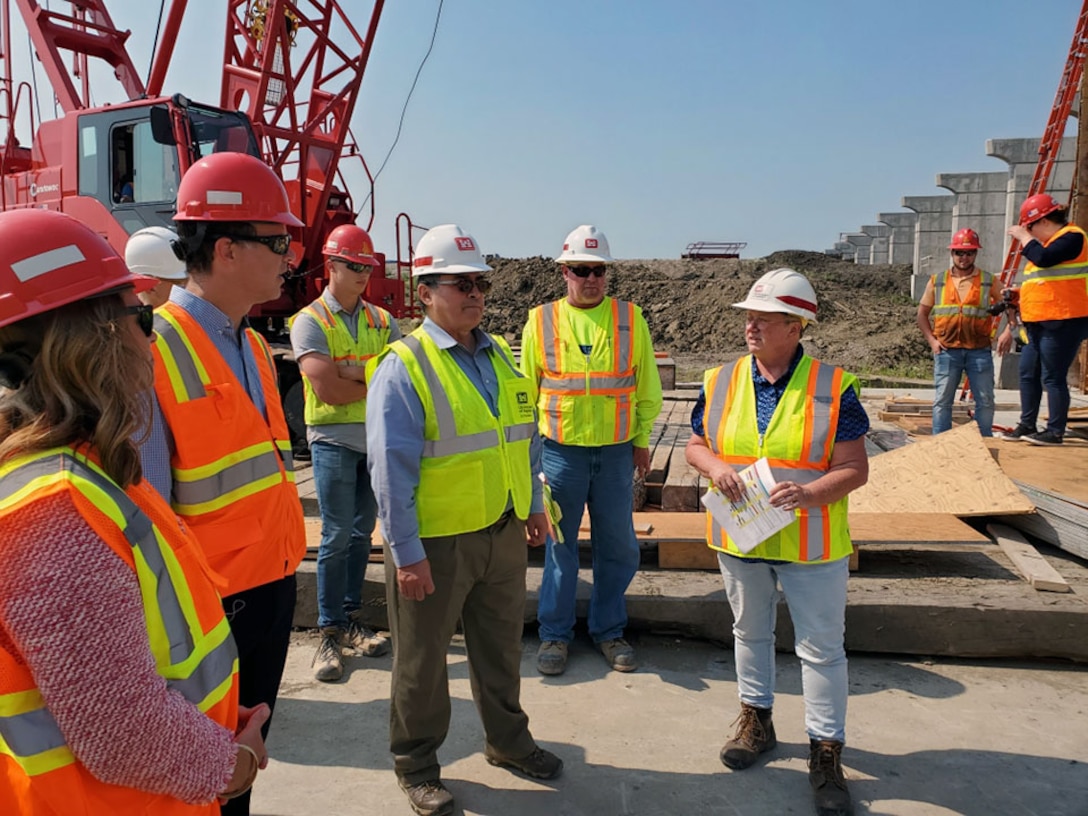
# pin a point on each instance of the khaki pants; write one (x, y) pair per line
(479, 578)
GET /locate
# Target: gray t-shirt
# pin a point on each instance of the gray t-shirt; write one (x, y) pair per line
(307, 337)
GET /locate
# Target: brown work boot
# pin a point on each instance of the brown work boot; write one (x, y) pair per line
(365, 641)
(328, 662)
(828, 782)
(539, 764)
(619, 654)
(754, 736)
(428, 798)
(551, 657)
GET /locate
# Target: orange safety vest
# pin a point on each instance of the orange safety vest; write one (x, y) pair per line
(964, 324)
(188, 633)
(234, 481)
(1056, 292)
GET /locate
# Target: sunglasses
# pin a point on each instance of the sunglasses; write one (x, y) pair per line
(586, 271)
(466, 285)
(145, 317)
(353, 266)
(279, 244)
(963, 253)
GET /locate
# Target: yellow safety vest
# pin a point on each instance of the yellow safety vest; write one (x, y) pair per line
(1057, 292)
(189, 637)
(798, 445)
(372, 330)
(587, 401)
(473, 462)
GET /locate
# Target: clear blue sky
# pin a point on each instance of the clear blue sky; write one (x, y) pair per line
(781, 123)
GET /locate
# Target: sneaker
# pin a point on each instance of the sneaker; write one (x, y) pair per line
(364, 641)
(1048, 438)
(540, 764)
(328, 662)
(1018, 433)
(827, 779)
(754, 736)
(619, 654)
(551, 657)
(428, 798)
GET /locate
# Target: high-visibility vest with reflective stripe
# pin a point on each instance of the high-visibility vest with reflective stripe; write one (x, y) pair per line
(372, 334)
(473, 463)
(233, 477)
(798, 444)
(587, 402)
(1057, 292)
(962, 324)
(189, 637)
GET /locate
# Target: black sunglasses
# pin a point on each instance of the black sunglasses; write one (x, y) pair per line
(963, 253)
(585, 271)
(466, 285)
(280, 244)
(145, 317)
(355, 267)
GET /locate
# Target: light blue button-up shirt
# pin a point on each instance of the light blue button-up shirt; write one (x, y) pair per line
(235, 350)
(394, 438)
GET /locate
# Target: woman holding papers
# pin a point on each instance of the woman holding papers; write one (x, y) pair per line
(804, 418)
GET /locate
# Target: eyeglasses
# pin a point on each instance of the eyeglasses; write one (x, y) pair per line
(466, 285)
(145, 317)
(963, 253)
(586, 271)
(353, 266)
(280, 244)
(764, 320)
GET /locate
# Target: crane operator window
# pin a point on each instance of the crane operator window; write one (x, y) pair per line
(143, 169)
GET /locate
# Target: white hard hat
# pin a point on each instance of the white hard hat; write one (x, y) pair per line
(447, 250)
(150, 252)
(782, 290)
(586, 244)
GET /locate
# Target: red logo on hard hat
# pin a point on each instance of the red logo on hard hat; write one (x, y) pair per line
(591, 243)
(465, 244)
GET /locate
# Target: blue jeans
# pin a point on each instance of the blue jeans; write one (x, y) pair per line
(1044, 364)
(602, 479)
(948, 369)
(816, 595)
(348, 513)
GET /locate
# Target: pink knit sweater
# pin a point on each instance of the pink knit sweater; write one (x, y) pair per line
(71, 609)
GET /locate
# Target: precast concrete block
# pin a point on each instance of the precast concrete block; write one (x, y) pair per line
(861, 243)
(901, 241)
(980, 205)
(878, 250)
(931, 231)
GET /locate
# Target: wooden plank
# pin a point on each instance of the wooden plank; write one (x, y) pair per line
(681, 489)
(1058, 469)
(687, 555)
(951, 473)
(1026, 559)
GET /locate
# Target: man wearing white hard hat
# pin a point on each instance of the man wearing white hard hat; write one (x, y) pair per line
(805, 417)
(592, 360)
(150, 253)
(454, 461)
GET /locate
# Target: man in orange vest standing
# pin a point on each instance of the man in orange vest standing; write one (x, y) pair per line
(225, 446)
(598, 393)
(333, 338)
(958, 300)
(804, 417)
(1054, 309)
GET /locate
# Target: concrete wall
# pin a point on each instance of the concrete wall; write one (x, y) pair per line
(901, 240)
(931, 235)
(878, 250)
(861, 242)
(980, 205)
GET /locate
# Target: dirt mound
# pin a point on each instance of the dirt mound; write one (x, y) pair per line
(866, 316)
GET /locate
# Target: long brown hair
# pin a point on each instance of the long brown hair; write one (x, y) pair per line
(87, 382)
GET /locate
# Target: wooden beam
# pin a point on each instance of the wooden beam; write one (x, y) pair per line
(1035, 569)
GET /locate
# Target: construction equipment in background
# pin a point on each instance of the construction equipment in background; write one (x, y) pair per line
(705, 250)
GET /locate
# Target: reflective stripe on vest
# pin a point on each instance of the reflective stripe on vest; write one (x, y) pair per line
(1057, 292)
(976, 308)
(202, 673)
(563, 376)
(821, 532)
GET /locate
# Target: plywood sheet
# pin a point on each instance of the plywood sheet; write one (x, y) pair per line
(951, 473)
(1062, 470)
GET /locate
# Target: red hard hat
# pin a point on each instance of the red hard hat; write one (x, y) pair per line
(351, 243)
(965, 239)
(1036, 207)
(233, 187)
(48, 260)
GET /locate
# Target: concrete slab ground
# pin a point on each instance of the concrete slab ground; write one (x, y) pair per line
(925, 738)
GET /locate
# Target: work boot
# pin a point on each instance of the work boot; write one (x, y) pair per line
(754, 736)
(540, 764)
(328, 662)
(619, 654)
(1018, 433)
(428, 798)
(364, 641)
(1048, 438)
(551, 657)
(825, 774)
